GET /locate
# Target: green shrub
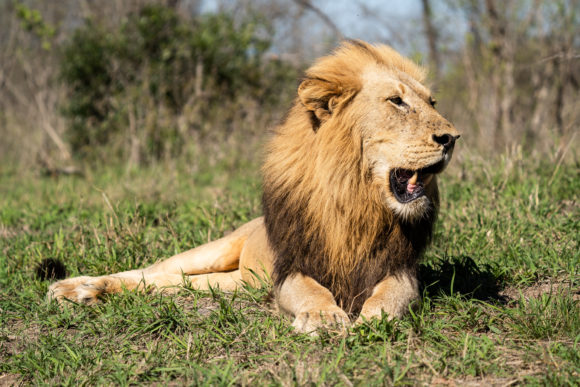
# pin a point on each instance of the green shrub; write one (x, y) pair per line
(86, 68)
(134, 82)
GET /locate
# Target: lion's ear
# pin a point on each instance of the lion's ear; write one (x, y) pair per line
(320, 98)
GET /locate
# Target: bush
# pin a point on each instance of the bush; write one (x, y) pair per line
(132, 85)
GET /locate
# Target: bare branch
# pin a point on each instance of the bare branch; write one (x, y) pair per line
(311, 7)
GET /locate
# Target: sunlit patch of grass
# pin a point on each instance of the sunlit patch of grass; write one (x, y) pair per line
(500, 288)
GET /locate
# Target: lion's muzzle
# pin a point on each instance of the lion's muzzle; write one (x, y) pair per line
(408, 185)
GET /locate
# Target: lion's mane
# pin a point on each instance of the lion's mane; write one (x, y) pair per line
(324, 215)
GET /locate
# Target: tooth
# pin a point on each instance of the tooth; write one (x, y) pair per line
(414, 178)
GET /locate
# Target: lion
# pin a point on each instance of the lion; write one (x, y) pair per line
(349, 198)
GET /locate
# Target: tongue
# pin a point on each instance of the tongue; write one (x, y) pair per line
(412, 183)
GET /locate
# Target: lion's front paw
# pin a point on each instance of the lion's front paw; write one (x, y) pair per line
(377, 313)
(83, 290)
(310, 321)
(376, 309)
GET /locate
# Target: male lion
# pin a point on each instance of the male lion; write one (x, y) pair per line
(350, 197)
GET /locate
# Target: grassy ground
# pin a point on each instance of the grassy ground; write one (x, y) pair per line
(500, 286)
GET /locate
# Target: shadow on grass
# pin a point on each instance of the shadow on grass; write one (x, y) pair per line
(461, 275)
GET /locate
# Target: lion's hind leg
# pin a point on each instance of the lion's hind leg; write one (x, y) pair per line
(215, 263)
(89, 290)
(229, 281)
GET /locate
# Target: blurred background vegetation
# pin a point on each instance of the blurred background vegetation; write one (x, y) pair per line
(195, 84)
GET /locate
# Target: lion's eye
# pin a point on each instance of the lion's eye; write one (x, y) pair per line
(396, 100)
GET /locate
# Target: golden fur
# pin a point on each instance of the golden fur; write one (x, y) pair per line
(342, 230)
(326, 165)
(324, 196)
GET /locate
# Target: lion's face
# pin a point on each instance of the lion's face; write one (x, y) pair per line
(405, 140)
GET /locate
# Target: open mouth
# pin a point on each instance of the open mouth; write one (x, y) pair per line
(408, 185)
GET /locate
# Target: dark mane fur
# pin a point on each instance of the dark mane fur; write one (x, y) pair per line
(395, 248)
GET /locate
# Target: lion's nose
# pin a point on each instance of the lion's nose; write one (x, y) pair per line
(446, 140)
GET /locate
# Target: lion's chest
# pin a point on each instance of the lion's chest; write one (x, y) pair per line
(390, 253)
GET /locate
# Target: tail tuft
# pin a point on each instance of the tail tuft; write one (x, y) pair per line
(50, 269)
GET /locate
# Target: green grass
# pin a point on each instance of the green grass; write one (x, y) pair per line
(500, 286)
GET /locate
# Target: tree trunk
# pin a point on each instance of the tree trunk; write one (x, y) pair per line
(432, 38)
(503, 72)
